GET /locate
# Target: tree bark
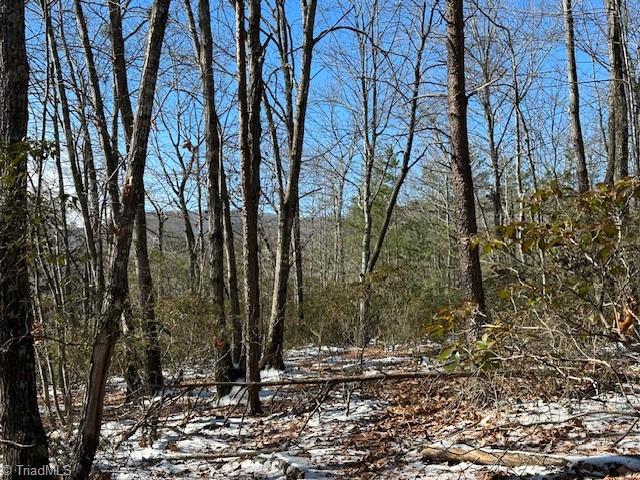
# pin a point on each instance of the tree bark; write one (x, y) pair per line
(153, 352)
(297, 259)
(250, 131)
(224, 361)
(618, 148)
(116, 291)
(471, 274)
(295, 121)
(574, 100)
(25, 442)
(232, 270)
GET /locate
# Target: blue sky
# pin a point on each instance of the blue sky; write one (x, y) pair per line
(536, 27)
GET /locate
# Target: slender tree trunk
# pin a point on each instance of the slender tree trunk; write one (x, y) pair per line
(191, 241)
(618, 153)
(116, 291)
(338, 275)
(153, 352)
(297, 255)
(25, 442)
(201, 242)
(370, 255)
(471, 274)
(496, 193)
(232, 270)
(250, 130)
(369, 91)
(101, 120)
(88, 223)
(204, 48)
(272, 356)
(574, 100)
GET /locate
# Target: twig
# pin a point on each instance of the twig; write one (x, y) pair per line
(319, 403)
(16, 444)
(622, 437)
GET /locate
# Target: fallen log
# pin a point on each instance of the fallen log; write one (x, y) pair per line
(603, 464)
(378, 377)
(489, 456)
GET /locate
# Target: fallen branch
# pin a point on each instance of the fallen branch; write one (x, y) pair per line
(513, 458)
(379, 377)
(489, 456)
(222, 456)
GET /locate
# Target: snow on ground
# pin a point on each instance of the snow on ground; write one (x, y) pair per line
(377, 431)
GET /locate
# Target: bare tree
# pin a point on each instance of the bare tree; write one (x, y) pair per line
(618, 148)
(488, 53)
(24, 440)
(574, 100)
(116, 291)
(294, 119)
(250, 132)
(153, 354)
(88, 202)
(203, 43)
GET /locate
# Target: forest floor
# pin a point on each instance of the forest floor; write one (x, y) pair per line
(370, 430)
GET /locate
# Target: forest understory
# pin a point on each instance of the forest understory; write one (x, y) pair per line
(518, 423)
(207, 206)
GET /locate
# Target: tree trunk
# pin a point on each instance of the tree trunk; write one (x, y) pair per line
(338, 247)
(471, 274)
(232, 270)
(25, 442)
(191, 241)
(224, 363)
(574, 100)
(496, 193)
(272, 356)
(80, 188)
(101, 120)
(618, 151)
(369, 91)
(116, 291)
(153, 352)
(297, 256)
(250, 130)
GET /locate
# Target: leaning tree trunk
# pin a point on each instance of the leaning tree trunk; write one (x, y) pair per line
(24, 440)
(574, 101)
(101, 121)
(272, 356)
(116, 292)
(471, 275)
(153, 353)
